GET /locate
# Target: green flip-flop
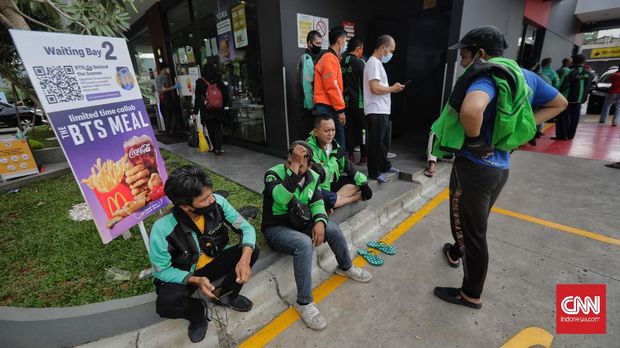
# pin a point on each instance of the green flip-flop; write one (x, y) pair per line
(370, 257)
(387, 249)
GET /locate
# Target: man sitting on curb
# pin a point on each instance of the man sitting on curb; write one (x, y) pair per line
(189, 249)
(294, 220)
(338, 189)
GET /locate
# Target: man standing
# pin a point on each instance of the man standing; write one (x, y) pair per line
(352, 75)
(613, 97)
(305, 82)
(549, 73)
(564, 69)
(168, 100)
(337, 189)
(328, 88)
(575, 86)
(480, 169)
(377, 108)
(189, 249)
(294, 221)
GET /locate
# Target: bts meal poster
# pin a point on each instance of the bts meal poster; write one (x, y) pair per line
(89, 90)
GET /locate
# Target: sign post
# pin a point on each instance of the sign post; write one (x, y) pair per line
(88, 88)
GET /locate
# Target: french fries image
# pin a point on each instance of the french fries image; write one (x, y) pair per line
(105, 177)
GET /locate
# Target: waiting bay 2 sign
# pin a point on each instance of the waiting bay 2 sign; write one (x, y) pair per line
(88, 87)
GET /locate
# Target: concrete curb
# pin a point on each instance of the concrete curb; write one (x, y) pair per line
(273, 290)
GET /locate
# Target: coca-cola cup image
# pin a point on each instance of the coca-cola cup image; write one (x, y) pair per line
(143, 176)
(140, 151)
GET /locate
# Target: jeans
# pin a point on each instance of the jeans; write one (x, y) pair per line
(286, 240)
(609, 100)
(322, 109)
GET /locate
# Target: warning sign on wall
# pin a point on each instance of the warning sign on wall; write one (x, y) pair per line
(306, 23)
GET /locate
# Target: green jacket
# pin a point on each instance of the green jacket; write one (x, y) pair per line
(334, 164)
(281, 185)
(305, 81)
(551, 75)
(514, 120)
(174, 246)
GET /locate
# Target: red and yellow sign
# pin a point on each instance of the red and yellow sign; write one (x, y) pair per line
(16, 159)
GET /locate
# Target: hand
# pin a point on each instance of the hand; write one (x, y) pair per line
(318, 233)
(298, 155)
(478, 147)
(204, 285)
(177, 86)
(243, 272)
(397, 87)
(342, 118)
(366, 192)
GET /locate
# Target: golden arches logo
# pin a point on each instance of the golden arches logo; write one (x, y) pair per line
(113, 201)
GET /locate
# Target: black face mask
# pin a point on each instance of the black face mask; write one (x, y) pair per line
(315, 49)
(205, 210)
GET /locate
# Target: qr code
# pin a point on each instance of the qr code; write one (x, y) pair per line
(59, 83)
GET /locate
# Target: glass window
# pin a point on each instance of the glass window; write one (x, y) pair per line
(228, 37)
(143, 60)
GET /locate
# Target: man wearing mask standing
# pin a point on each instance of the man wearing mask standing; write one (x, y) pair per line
(352, 74)
(328, 87)
(305, 82)
(377, 107)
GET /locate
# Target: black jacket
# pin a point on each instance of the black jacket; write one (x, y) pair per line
(201, 91)
(352, 76)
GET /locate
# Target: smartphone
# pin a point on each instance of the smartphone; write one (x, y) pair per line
(406, 83)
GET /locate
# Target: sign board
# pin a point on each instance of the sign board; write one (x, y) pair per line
(88, 88)
(225, 41)
(606, 52)
(16, 159)
(307, 23)
(239, 25)
(349, 27)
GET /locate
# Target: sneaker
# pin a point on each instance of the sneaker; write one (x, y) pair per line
(391, 155)
(382, 179)
(311, 316)
(197, 331)
(238, 303)
(355, 273)
(393, 170)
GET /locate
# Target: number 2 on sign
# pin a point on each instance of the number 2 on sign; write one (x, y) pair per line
(110, 47)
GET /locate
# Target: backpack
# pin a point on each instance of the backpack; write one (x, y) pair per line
(214, 99)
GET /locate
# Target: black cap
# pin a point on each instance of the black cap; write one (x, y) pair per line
(305, 145)
(486, 37)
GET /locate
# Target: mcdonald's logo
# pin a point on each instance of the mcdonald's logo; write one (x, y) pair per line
(113, 202)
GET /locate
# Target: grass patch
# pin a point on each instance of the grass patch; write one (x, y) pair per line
(49, 260)
(45, 135)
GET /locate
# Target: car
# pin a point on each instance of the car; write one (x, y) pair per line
(28, 117)
(599, 92)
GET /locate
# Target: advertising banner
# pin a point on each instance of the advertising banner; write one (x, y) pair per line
(16, 159)
(88, 88)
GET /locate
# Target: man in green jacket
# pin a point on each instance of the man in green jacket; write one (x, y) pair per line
(331, 159)
(294, 222)
(305, 81)
(189, 249)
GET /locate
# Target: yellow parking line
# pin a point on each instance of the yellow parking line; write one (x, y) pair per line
(529, 337)
(560, 227)
(290, 315)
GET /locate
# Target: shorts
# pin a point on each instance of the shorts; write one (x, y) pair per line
(330, 197)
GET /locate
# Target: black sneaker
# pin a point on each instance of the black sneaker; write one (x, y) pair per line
(197, 331)
(238, 303)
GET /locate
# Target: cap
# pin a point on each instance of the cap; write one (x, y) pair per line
(305, 145)
(486, 37)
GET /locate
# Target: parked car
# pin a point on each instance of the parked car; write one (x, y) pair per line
(599, 92)
(28, 117)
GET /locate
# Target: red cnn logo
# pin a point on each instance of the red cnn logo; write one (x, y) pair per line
(580, 309)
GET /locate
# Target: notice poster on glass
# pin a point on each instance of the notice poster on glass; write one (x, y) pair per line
(306, 23)
(239, 25)
(182, 54)
(214, 50)
(88, 87)
(225, 40)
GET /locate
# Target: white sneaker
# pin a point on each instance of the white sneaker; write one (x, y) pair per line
(391, 155)
(356, 149)
(355, 273)
(311, 316)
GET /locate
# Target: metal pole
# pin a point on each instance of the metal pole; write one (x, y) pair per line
(145, 237)
(288, 140)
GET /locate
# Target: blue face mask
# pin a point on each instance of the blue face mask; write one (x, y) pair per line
(387, 58)
(343, 49)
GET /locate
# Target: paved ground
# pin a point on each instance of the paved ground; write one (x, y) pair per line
(527, 260)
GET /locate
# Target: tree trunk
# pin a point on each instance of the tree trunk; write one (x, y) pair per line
(10, 17)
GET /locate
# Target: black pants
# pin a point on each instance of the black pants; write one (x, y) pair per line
(307, 124)
(473, 191)
(174, 301)
(566, 123)
(216, 133)
(356, 123)
(169, 111)
(377, 132)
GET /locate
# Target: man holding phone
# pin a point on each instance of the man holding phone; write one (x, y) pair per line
(377, 108)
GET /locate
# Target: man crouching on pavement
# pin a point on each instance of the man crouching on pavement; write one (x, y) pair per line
(294, 220)
(332, 159)
(189, 249)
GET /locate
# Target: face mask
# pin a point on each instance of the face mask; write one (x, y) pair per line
(315, 49)
(387, 58)
(472, 61)
(343, 49)
(205, 210)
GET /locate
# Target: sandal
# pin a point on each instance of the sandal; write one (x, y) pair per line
(453, 295)
(445, 250)
(613, 165)
(430, 170)
(370, 257)
(386, 249)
